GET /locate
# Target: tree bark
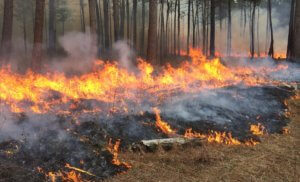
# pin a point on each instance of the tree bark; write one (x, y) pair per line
(175, 44)
(128, 19)
(143, 27)
(122, 22)
(37, 52)
(178, 27)
(106, 23)
(116, 14)
(290, 47)
(7, 29)
(99, 23)
(52, 28)
(297, 31)
(134, 16)
(252, 44)
(93, 21)
(229, 29)
(212, 28)
(82, 16)
(271, 49)
(189, 26)
(152, 32)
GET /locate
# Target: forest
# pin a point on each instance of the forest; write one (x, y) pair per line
(149, 90)
(249, 28)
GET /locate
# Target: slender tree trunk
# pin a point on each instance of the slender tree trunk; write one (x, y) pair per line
(252, 46)
(52, 29)
(25, 30)
(82, 16)
(204, 26)
(143, 27)
(167, 27)
(175, 42)
(271, 49)
(37, 52)
(7, 27)
(93, 21)
(178, 27)
(296, 40)
(194, 24)
(116, 15)
(134, 16)
(189, 26)
(106, 23)
(257, 32)
(152, 32)
(212, 28)
(122, 25)
(229, 29)
(128, 19)
(162, 31)
(99, 23)
(290, 47)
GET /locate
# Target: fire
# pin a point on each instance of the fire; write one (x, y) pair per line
(71, 176)
(218, 137)
(162, 125)
(111, 84)
(114, 150)
(257, 129)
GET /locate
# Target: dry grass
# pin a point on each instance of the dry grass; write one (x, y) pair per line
(275, 159)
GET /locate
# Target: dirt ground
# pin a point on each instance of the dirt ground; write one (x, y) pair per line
(276, 158)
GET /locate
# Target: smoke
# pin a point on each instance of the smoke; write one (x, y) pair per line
(81, 53)
(125, 55)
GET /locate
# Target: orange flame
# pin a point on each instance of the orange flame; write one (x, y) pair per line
(112, 84)
(162, 125)
(114, 150)
(257, 129)
(218, 137)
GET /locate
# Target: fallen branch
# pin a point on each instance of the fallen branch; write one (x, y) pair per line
(166, 143)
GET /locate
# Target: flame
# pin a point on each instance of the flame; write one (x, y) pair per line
(162, 125)
(218, 137)
(111, 84)
(257, 129)
(114, 150)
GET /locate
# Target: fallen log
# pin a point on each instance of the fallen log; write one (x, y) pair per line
(166, 144)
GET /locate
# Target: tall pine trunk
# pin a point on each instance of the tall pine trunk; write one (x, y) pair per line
(295, 41)
(37, 52)
(7, 27)
(52, 28)
(82, 16)
(189, 26)
(143, 27)
(134, 17)
(152, 32)
(290, 47)
(229, 29)
(93, 21)
(252, 30)
(116, 15)
(178, 27)
(122, 21)
(128, 19)
(212, 28)
(271, 49)
(106, 23)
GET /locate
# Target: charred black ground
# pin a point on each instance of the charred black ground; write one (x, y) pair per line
(83, 145)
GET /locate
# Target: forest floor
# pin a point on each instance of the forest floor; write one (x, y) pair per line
(276, 158)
